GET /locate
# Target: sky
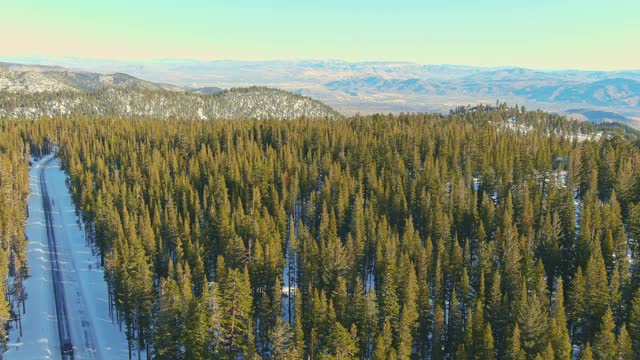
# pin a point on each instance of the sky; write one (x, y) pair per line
(541, 34)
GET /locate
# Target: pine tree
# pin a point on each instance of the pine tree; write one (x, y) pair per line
(586, 353)
(298, 330)
(634, 220)
(468, 333)
(598, 294)
(615, 295)
(342, 344)
(454, 329)
(5, 307)
(357, 231)
(437, 351)
(341, 299)
(623, 341)
(514, 346)
(604, 346)
(634, 323)
(532, 320)
(196, 322)
(383, 345)
(424, 301)
(236, 302)
(280, 339)
(408, 317)
(168, 329)
(478, 325)
(389, 305)
(461, 352)
(550, 242)
(512, 261)
(548, 352)
(496, 312)
(486, 350)
(142, 282)
(558, 332)
(618, 231)
(577, 299)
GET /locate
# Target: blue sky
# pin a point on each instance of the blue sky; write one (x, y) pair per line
(545, 34)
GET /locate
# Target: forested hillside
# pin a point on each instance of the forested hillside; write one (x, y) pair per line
(485, 234)
(241, 103)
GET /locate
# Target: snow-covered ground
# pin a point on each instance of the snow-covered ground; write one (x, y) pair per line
(40, 340)
(93, 333)
(290, 271)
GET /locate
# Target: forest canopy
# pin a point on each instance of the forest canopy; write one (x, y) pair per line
(492, 233)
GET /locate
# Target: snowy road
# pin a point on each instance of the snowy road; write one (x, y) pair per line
(62, 318)
(93, 334)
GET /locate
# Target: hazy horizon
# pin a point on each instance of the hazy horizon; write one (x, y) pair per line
(63, 61)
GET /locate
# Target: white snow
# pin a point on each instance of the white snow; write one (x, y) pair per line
(93, 333)
(561, 179)
(290, 272)
(40, 337)
(512, 125)
(201, 114)
(476, 183)
(289, 286)
(370, 283)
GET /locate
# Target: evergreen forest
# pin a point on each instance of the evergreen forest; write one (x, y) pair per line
(488, 233)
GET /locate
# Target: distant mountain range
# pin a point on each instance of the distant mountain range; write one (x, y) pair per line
(559, 91)
(366, 87)
(36, 78)
(28, 91)
(617, 92)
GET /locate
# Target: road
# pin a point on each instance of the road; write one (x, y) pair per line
(67, 297)
(76, 334)
(64, 335)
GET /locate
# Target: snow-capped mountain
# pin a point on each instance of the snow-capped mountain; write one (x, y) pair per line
(43, 91)
(16, 78)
